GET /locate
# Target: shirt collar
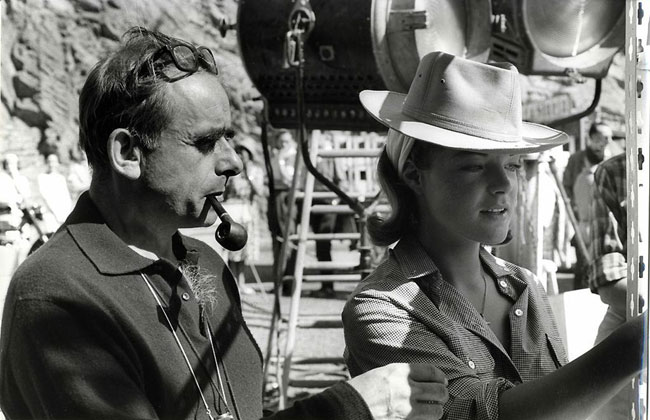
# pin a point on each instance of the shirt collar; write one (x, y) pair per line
(108, 253)
(413, 259)
(416, 265)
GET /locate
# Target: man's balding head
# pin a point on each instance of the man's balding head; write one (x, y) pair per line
(126, 90)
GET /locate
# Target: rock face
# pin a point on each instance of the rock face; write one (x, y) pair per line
(49, 46)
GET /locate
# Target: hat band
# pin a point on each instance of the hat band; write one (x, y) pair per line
(459, 126)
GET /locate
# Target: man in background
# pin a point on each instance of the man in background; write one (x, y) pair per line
(53, 188)
(78, 174)
(578, 180)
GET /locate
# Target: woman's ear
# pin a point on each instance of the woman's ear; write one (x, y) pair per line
(124, 153)
(411, 176)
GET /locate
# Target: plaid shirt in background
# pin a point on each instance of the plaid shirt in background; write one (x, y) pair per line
(609, 224)
(405, 312)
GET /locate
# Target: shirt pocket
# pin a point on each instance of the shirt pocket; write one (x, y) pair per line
(556, 350)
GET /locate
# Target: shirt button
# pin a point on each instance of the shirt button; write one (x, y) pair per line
(519, 312)
(503, 283)
(185, 296)
(471, 364)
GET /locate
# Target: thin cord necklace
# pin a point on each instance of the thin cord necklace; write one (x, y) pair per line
(483, 275)
(222, 393)
(214, 346)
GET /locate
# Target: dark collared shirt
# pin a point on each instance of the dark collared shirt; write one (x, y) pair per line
(405, 312)
(83, 337)
(608, 224)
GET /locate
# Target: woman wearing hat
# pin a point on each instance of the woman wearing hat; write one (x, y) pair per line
(450, 170)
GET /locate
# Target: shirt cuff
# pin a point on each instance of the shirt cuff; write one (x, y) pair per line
(605, 269)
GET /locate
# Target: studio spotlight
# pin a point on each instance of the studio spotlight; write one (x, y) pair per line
(558, 37)
(353, 45)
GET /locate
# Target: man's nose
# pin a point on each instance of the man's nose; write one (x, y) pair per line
(228, 161)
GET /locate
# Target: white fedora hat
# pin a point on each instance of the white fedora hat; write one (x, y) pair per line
(462, 104)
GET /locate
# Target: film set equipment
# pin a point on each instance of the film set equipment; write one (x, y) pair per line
(351, 46)
(558, 37)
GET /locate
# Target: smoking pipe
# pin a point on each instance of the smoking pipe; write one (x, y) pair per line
(230, 234)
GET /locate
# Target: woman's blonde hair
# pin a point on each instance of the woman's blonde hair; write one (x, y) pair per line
(385, 230)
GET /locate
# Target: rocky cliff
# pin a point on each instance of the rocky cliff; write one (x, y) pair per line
(48, 47)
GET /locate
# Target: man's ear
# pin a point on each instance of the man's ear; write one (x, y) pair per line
(124, 153)
(411, 177)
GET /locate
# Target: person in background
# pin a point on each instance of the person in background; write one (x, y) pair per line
(327, 222)
(242, 197)
(119, 315)
(15, 191)
(607, 271)
(78, 174)
(21, 219)
(53, 188)
(283, 160)
(19, 183)
(286, 156)
(451, 169)
(578, 180)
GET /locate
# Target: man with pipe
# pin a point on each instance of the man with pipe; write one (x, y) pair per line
(119, 315)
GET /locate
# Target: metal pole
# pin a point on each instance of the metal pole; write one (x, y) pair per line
(637, 112)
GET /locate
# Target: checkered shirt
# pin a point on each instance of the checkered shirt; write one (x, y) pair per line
(608, 224)
(405, 312)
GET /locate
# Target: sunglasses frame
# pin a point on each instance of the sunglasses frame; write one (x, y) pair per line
(201, 54)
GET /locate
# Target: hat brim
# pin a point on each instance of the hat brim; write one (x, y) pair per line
(386, 107)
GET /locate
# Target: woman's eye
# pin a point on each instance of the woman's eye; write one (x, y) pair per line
(513, 166)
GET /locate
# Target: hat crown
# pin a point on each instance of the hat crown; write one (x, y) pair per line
(462, 104)
(482, 100)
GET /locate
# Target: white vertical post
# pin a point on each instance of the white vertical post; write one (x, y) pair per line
(637, 113)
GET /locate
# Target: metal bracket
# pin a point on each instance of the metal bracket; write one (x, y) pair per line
(640, 158)
(641, 267)
(301, 22)
(407, 20)
(574, 75)
(302, 17)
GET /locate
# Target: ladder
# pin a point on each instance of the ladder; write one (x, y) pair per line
(342, 272)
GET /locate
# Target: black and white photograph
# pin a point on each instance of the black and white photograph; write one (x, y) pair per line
(324, 209)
